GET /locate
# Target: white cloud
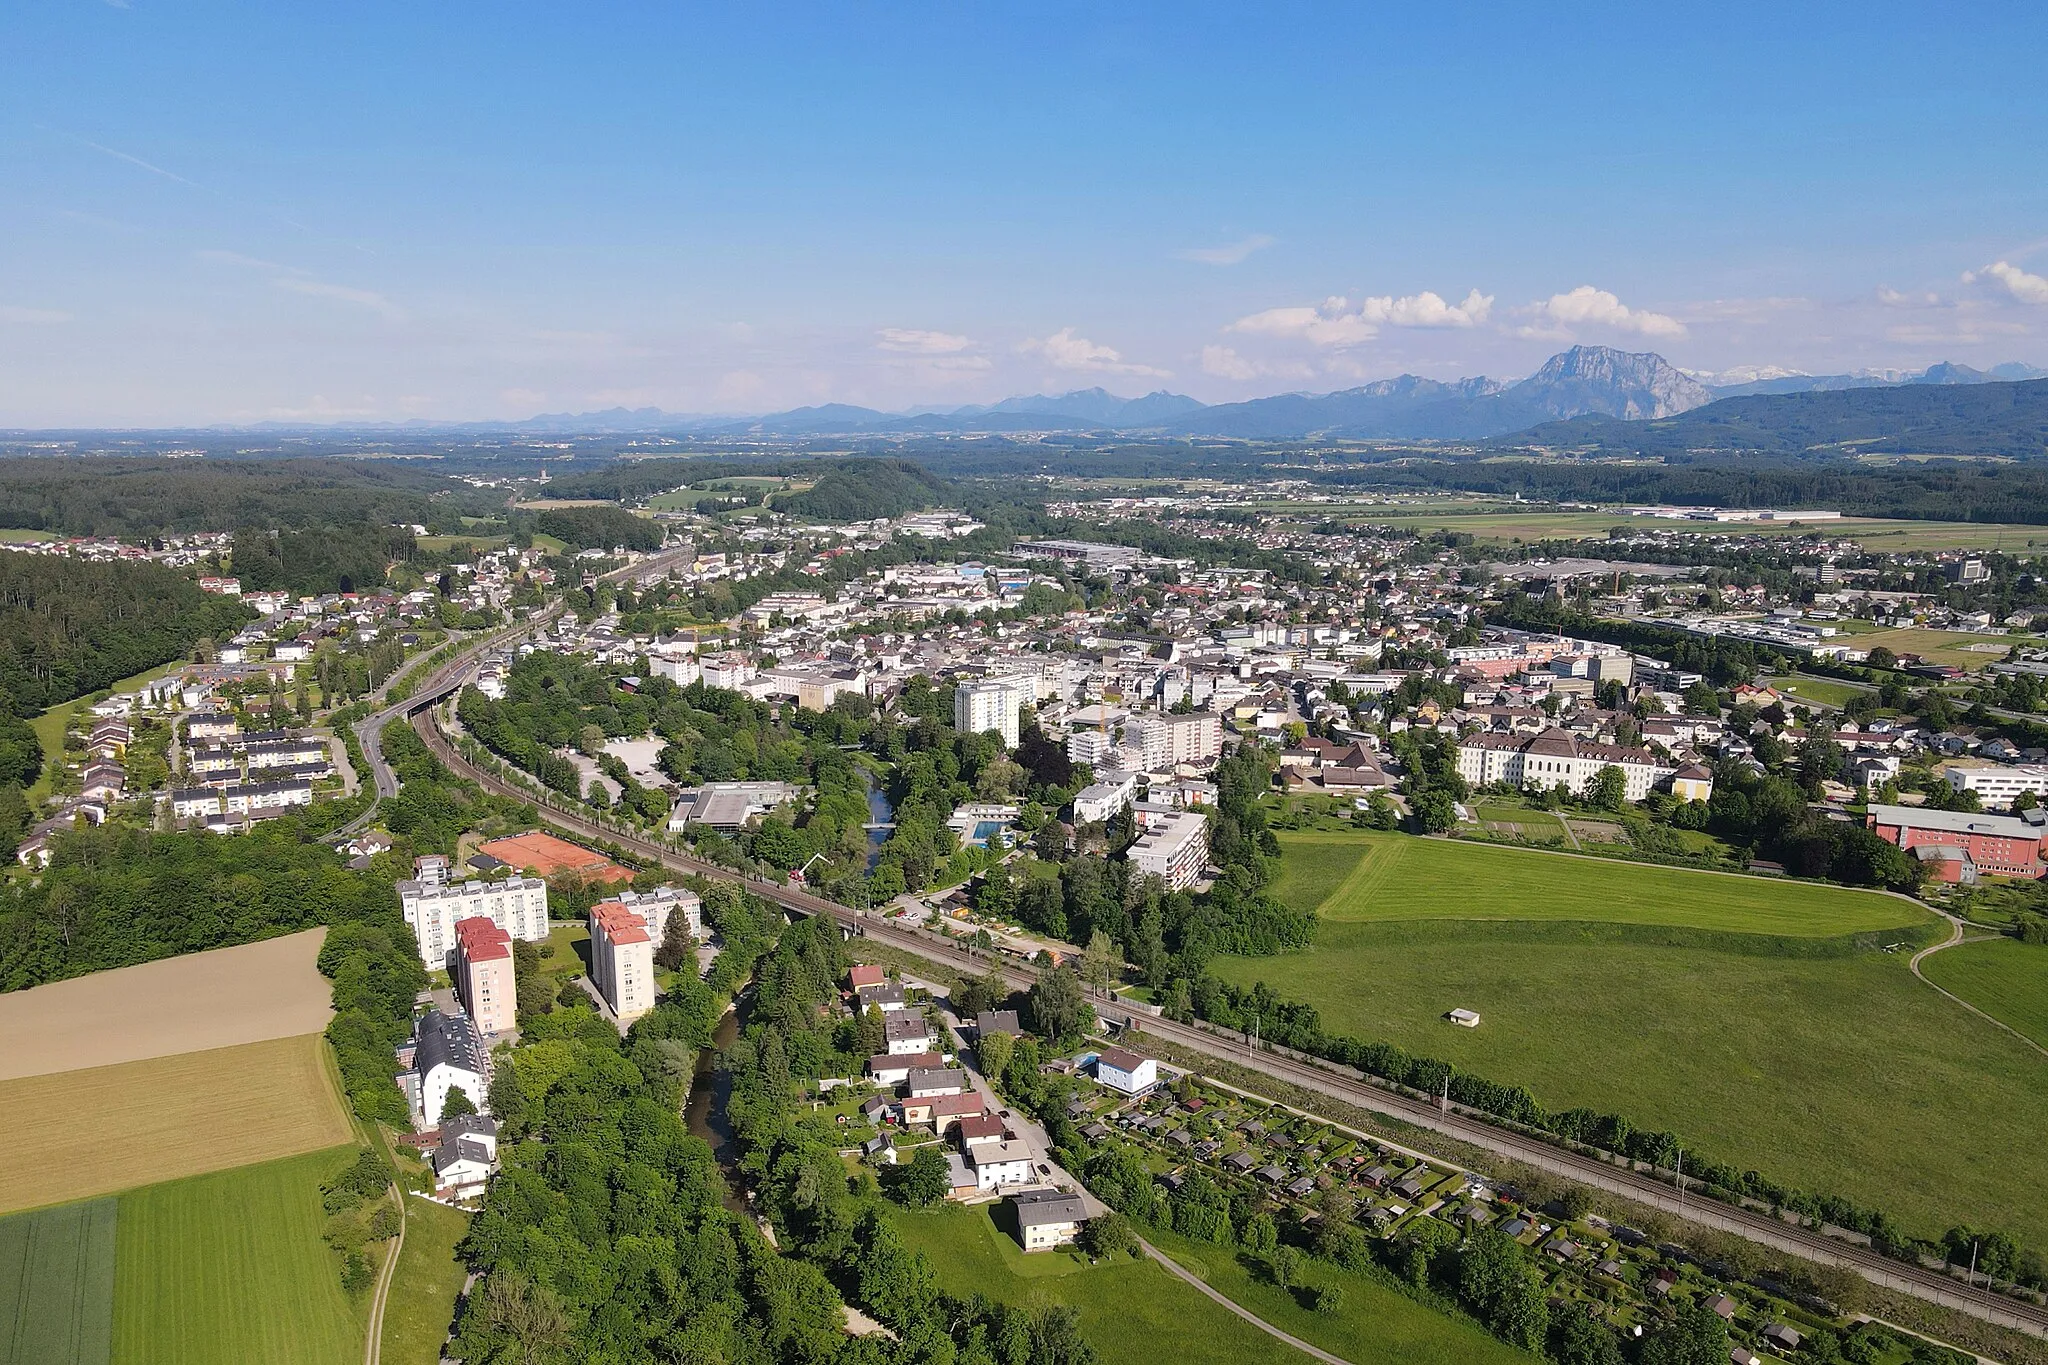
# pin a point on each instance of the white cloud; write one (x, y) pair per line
(1230, 253)
(1892, 298)
(1336, 321)
(2025, 287)
(1068, 352)
(1225, 363)
(1557, 316)
(32, 316)
(914, 341)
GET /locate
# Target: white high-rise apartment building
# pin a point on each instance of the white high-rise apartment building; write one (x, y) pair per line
(992, 704)
(518, 905)
(1175, 849)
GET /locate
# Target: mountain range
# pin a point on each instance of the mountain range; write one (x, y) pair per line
(1583, 382)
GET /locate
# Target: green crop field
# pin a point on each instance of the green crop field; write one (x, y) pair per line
(229, 1268)
(425, 1286)
(1823, 1066)
(57, 1285)
(1504, 522)
(2005, 978)
(1358, 876)
(1375, 1323)
(1133, 1312)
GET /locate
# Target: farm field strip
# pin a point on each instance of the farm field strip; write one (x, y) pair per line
(76, 1134)
(57, 1285)
(230, 1267)
(427, 1283)
(1361, 877)
(192, 1003)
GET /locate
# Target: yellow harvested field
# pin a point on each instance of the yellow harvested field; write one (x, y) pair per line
(77, 1134)
(182, 1004)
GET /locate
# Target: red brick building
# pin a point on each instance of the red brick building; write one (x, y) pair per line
(1962, 844)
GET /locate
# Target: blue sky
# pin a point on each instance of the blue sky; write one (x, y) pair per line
(237, 212)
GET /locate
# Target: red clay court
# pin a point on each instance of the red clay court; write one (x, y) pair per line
(546, 856)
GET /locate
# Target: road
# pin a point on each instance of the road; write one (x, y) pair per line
(1327, 1079)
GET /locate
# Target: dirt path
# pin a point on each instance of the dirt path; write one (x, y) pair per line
(1570, 837)
(1179, 1271)
(1955, 936)
(373, 1345)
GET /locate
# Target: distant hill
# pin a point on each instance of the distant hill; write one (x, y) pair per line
(1947, 372)
(1584, 379)
(863, 490)
(1938, 417)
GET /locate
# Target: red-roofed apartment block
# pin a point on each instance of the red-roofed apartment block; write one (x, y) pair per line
(482, 969)
(621, 959)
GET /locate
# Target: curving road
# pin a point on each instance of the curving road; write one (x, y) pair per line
(1325, 1078)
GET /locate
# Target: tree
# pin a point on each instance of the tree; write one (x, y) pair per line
(1109, 1234)
(457, 1104)
(1698, 1337)
(1576, 1339)
(924, 1181)
(677, 949)
(994, 1051)
(1059, 1008)
(1609, 788)
(1101, 961)
(1435, 811)
(1880, 657)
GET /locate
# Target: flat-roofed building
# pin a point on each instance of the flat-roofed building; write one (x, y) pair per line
(1174, 848)
(1998, 784)
(621, 960)
(2004, 845)
(518, 905)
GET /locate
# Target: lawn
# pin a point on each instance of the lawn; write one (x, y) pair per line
(229, 1268)
(1943, 646)
(1364, 876)
(57, 1285)
(2005, 978)
(1375, 1323)
(426, 1285)
(75, 1134)
(1820, 691)
(1133, 1312)
(1822, 1066)
(436, 544)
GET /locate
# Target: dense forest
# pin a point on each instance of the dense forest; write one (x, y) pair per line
(585, 528)
(1937, 490)
(865, 490)
(69, 627)
(149, 496)
(114, 896)
(350, 557)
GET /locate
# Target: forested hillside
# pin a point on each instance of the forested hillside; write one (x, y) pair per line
(69, 627)
(600, 528)
(343, 558)
(863, 490)
(1916, 419)
(145, 496)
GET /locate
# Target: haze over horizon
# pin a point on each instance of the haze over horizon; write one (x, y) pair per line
(245, 214)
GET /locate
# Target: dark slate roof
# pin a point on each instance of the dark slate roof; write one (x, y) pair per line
(1036, 1208)
(448, 1039)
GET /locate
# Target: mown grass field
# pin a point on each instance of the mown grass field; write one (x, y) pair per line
(1504, 524)
(1134, 1312)
(1826, 1067)
(2005, 978)
(1943, 646)
(1361, 877)
(1375, 1323)
(75, 1134)
(57, 1285)
(230, 1268)
(425, 1286)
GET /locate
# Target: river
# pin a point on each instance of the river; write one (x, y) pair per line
(704, 1112)
(880, 812)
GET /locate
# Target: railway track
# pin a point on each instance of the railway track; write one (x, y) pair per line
(1325, 1078)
